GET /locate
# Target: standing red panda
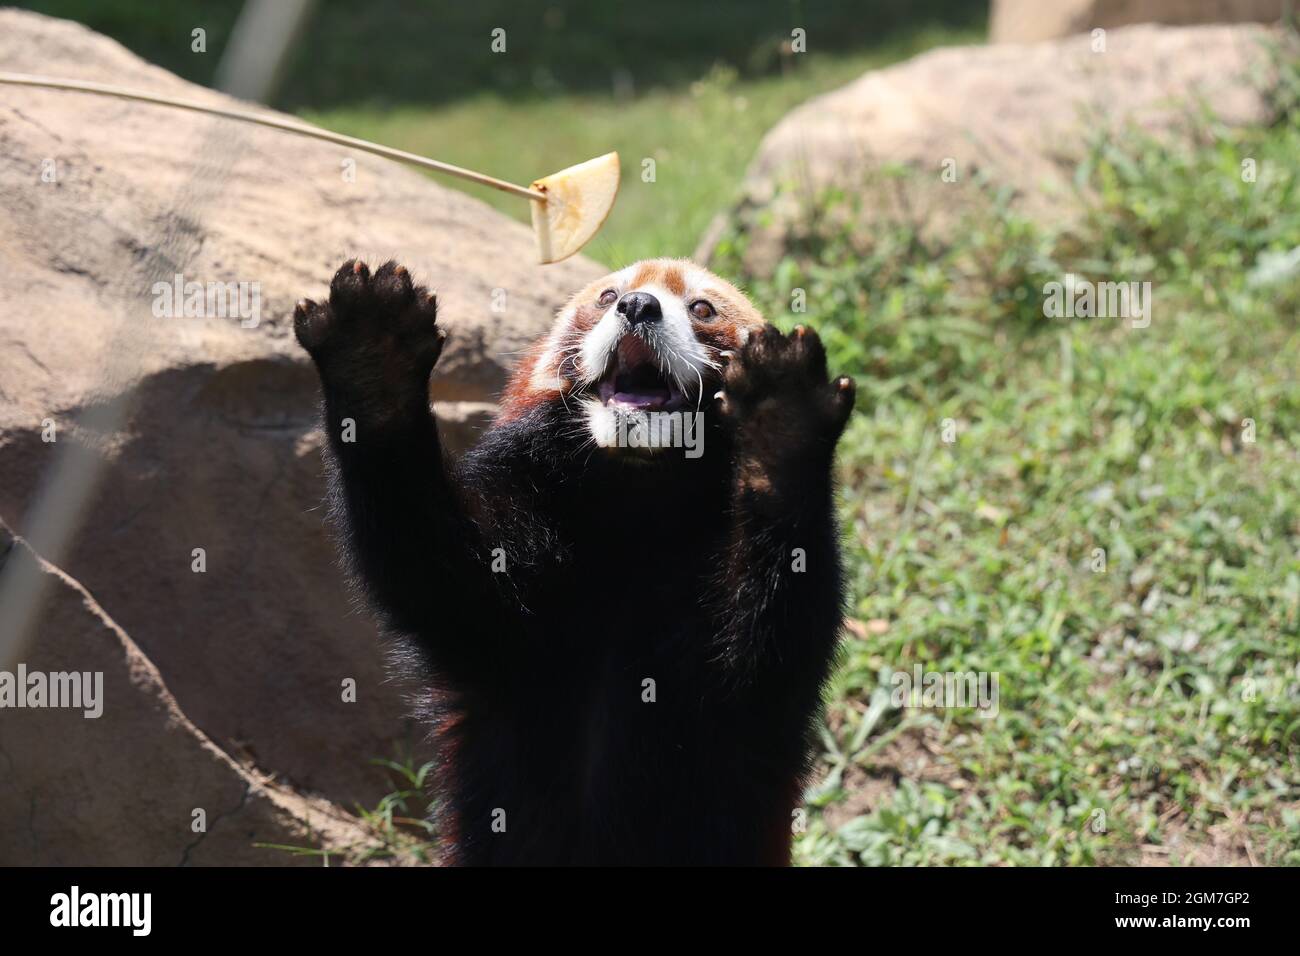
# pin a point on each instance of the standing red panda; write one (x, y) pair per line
(627, 596)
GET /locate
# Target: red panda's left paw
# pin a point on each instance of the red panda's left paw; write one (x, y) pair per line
(778, 393)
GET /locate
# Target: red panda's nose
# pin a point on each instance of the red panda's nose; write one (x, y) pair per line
(639, 307)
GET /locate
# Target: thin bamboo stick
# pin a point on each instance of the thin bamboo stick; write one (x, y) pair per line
(274, 122)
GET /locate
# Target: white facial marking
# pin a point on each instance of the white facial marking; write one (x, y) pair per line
(602, 422)
(680, 354)
(599, 344)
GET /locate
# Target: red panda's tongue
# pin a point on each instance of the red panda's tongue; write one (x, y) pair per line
(649, 398)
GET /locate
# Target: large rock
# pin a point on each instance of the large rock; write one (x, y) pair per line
(1021, 116)
(126, 779)
(184, 433)
(1029, 21)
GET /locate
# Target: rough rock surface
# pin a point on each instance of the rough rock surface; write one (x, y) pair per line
(1019, 115)
(200, 431)
(123, 788)
(1029, 21)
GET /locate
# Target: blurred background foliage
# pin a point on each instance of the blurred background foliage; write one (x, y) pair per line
(691, 85)
(383, 53)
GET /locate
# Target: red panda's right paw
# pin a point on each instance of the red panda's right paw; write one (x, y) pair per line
(375, 329)
(778, 392)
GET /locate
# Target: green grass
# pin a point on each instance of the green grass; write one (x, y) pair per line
(1150, 708)
(1164, 690)
(402, 822)
(399, 831)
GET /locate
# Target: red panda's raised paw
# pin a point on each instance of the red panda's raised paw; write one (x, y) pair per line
(377, 333)
(786, 412)
(777, 387)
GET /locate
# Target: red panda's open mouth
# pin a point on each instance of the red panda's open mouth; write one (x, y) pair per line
(634, 381)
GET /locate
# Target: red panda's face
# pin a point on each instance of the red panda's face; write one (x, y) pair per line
(646, 339)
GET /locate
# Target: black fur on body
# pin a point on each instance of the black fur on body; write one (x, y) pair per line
(617, 569)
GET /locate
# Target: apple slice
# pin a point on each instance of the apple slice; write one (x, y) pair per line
(578, 200)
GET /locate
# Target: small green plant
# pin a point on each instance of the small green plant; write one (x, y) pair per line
(398, 831)
(403, 819)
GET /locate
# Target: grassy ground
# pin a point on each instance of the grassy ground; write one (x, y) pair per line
(1103, 532)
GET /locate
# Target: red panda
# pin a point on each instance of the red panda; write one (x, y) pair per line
(626, 598)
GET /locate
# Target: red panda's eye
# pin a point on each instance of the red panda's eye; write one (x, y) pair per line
(607, 298)
(702, 310)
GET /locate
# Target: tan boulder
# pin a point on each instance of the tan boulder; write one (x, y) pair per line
(1018, 116)
(200, 431)
(123, 777)
(1029, 21)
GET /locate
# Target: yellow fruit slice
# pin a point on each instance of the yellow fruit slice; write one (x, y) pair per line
(577, 201)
